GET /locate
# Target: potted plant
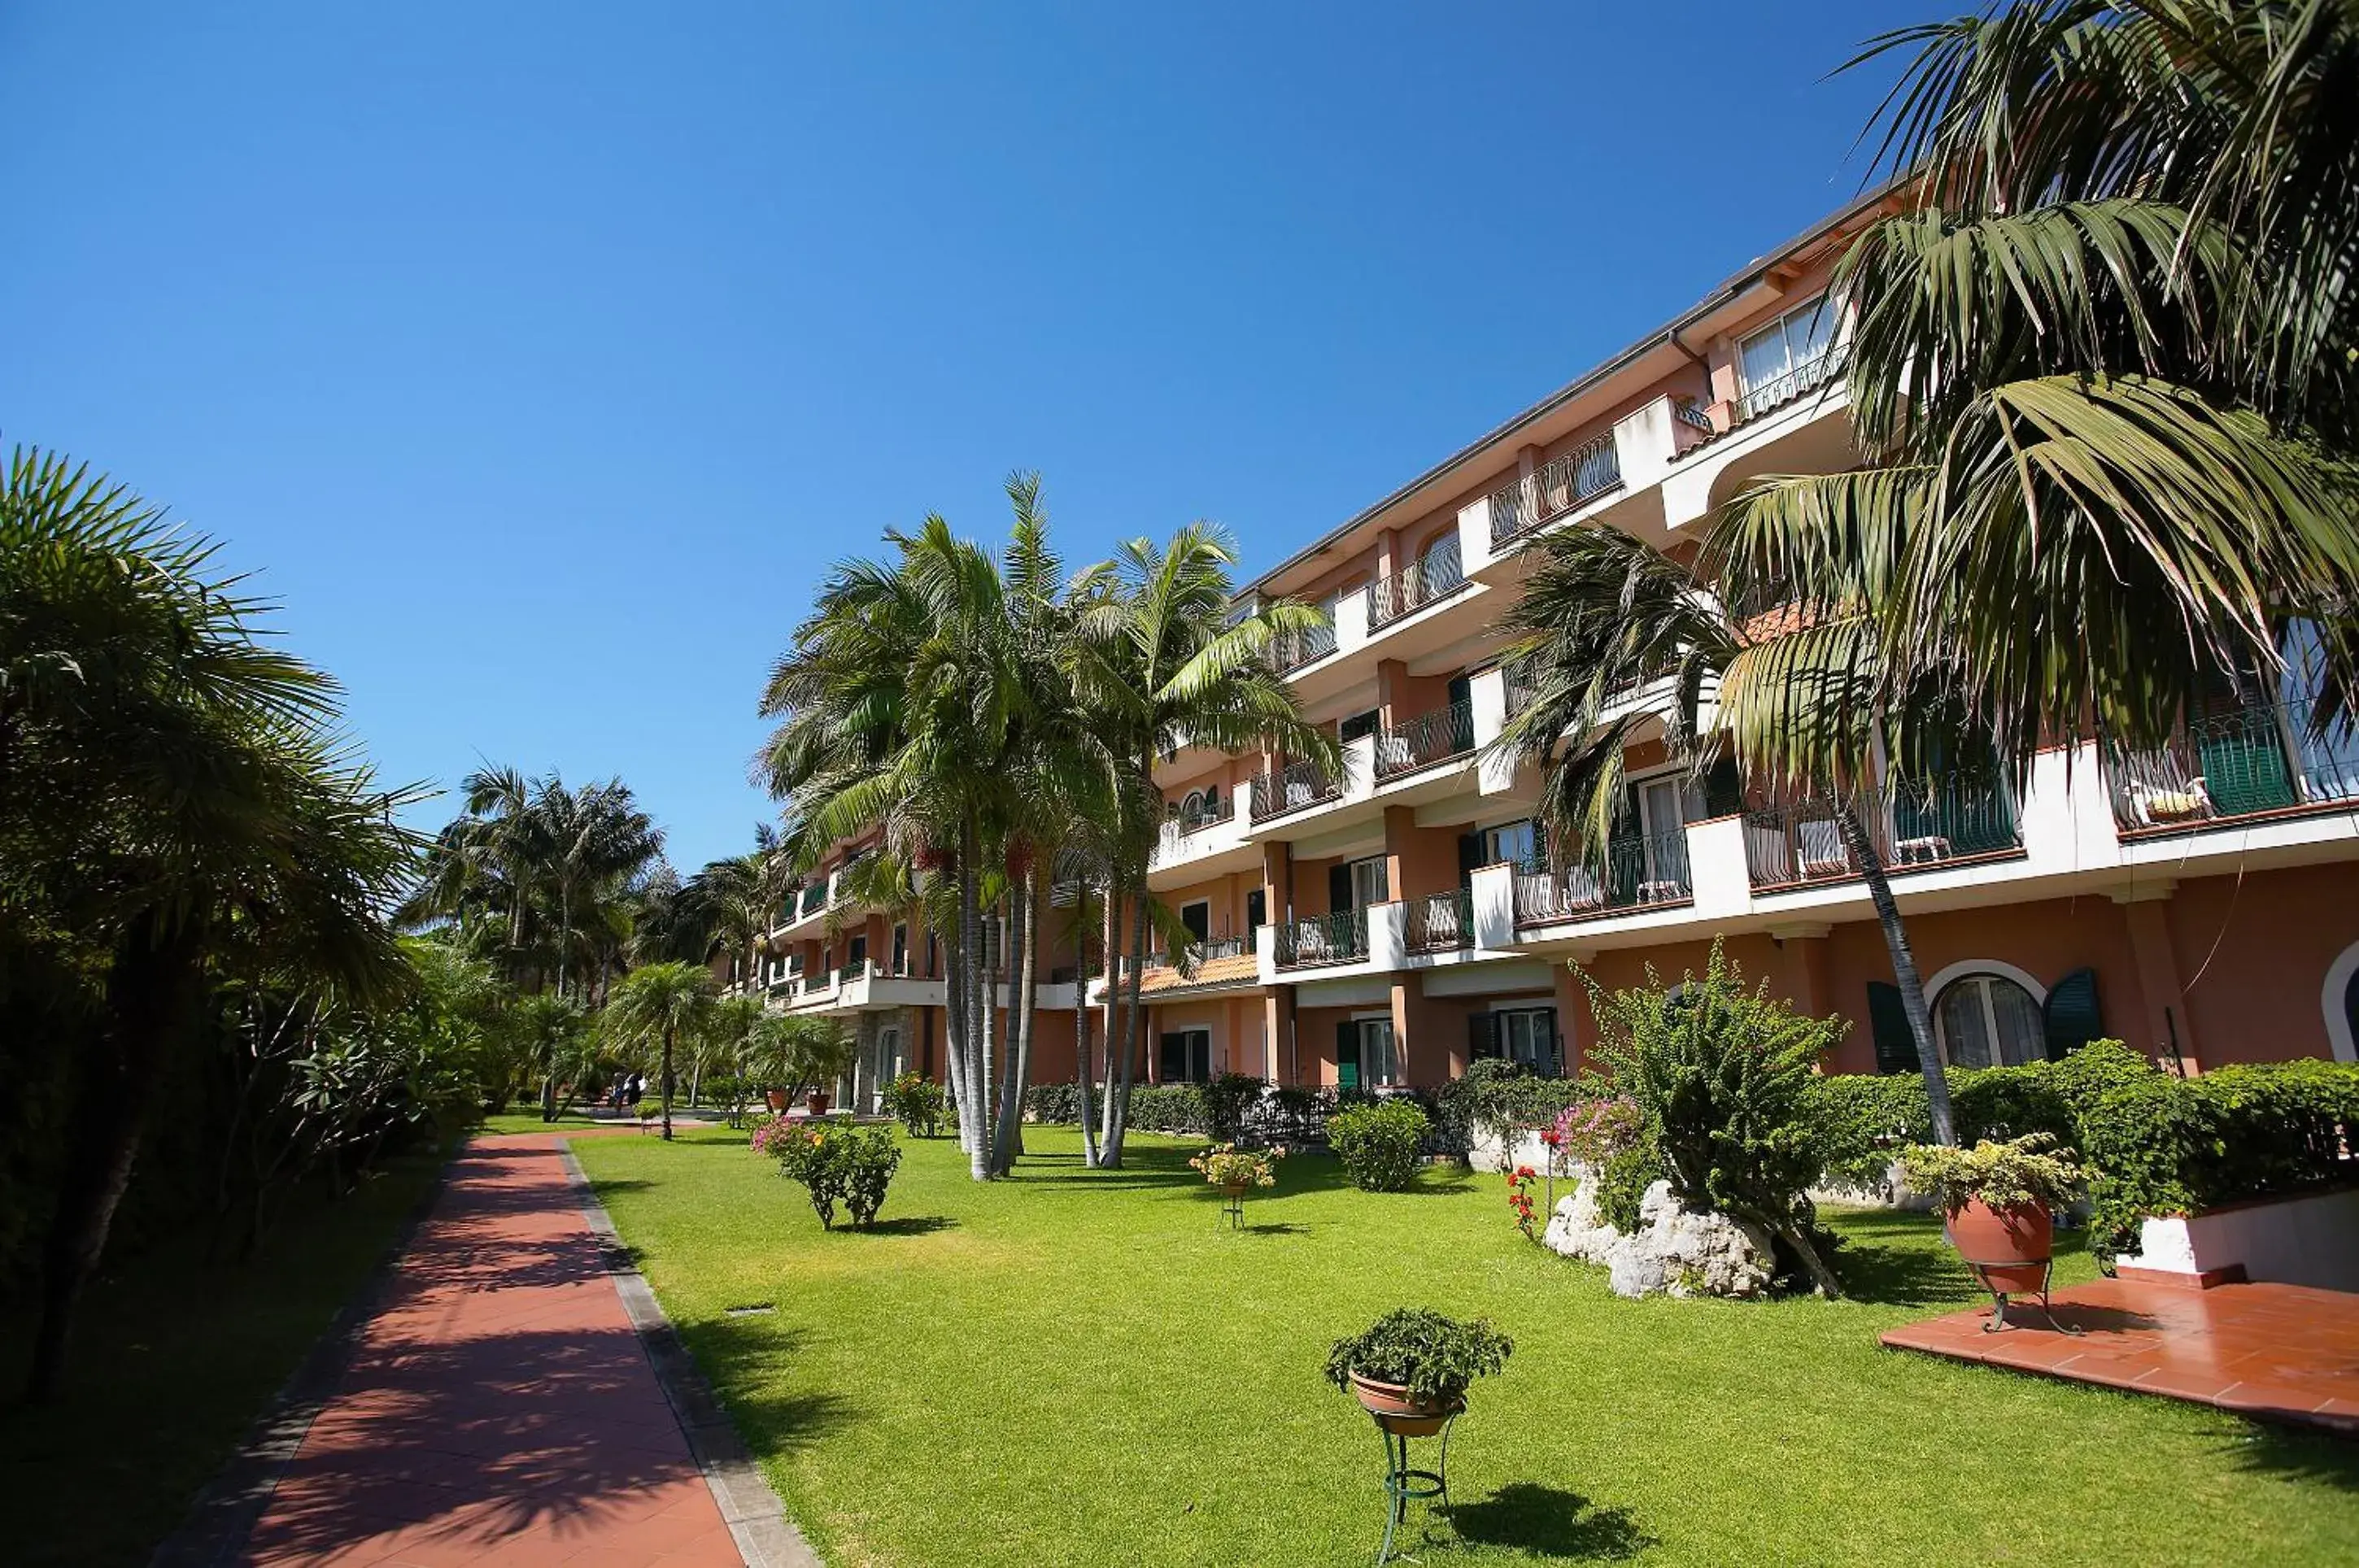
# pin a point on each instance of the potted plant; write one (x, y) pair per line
(816, 1102)
(1233, 1169)
(1997, 1197)
(1410, 1368)
(776, 1100)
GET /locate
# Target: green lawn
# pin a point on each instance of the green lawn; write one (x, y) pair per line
(173, 1359)
(1087, 1368)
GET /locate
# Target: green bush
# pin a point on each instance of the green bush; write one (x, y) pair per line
(1495, 1097)
(918, 1103)
(1722, 1079)
(1227, 1101)
(1380, 1143)
(1056, 1105)
(1434, 1357)
(868, 1157)
(2163, 1145)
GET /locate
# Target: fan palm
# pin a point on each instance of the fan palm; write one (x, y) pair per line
(1166, 658)
(172, 800)
(2101, 367)
(1605, 616)
(658, 1005)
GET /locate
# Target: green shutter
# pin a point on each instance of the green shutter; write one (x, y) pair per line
(1482, 1035)
(1470, 857)
(1888, 1019)
(2073, 1018)
(1347, 1056)
(1339, 887)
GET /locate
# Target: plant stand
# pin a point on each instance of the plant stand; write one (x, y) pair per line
(1404, 1483)
(1999, 1324)
(1233, 1203)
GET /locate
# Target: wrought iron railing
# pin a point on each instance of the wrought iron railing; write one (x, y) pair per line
(1187, 819)
(1437, 574)
(1917, 827)
(1807, 377)
(1292, 650)
(1291, 788)
(1641, 871)
(2246, 762)
(1439, 922)
(1428, 738)
(812, 900)
(1338, 938)
(1554, 488)
(1690, 412)
(1522, 687)
(1204, 951)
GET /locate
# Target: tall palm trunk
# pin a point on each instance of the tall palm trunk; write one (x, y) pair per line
(1903, 966)
(1108, 948)
(1087, 1109)
(974, 1114)
(1025, 916)
(1120, 1076)
(954, 1033)
(663, 1084)
(151, 994)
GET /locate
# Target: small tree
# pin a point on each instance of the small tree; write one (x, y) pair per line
(662, 1004)
(1719, 1078)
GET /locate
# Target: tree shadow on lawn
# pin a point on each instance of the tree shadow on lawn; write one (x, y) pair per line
(1890, 1258)
(2293, 1454)
(1549, 1522)
(907, 1225)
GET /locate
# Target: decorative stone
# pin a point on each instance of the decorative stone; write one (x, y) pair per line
(1674, 1252)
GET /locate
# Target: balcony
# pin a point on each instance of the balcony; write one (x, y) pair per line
(1948, 822)
(1440, 573)
(1639, 872)
(1556, 487)
(1440, 923)
(1292, 650)
(2255, 762)
(812, 900)
(1322, 940)
(1426, 740)
(1293, 788)
(1799, 382)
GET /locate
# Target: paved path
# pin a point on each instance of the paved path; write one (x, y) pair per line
(2279, 1352)
(499, 1408)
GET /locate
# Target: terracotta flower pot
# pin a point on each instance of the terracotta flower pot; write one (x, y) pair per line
(816, 1102)
(778, 1100)
(1394, 1411)
(1232, 1191)
(2011, 1247)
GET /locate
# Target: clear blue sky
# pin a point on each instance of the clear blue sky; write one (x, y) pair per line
(542, 357)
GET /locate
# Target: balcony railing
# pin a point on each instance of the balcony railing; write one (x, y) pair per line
(1919, 829)
(1440, 923)
(1338, 938)
(1690, 412)
(1292, 650)
(1185, 819)
(1201, 953)
(813, 900)
(1428, 738)
(1557, 487)
(1803, 379)
(1434, 575)
(1643, 871)
(1293, 788)
(1522, 687)
(2249, 763)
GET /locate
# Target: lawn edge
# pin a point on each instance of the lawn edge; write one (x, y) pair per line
(221, 1516)
(752, 1508)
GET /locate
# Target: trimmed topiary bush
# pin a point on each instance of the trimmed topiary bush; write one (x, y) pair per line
(1380, 1144)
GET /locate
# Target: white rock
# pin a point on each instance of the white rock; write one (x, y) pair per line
(1674, 1252)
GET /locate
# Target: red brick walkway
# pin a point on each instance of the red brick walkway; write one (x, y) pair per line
(2280, 1352)
(499, 1408)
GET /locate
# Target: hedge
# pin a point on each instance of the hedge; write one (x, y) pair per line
(1495, 1096)
(2153, 1144)
(1234, 1106)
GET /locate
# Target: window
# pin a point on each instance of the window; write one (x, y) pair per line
(1357, 725)
(901, 949)
(1988, 1021)
(1366, 1057)
(1256, 909)
(1198, 918)
(1368, 881)
(1187, 1056)
(1777, 362)
(1513, 843)
(856, 958)
(1527, 1034)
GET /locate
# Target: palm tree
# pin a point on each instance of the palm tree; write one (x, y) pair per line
(173, 802)
(2102, 371)
(1166, 656)
(659, 1004)
(551, 1029)
(1605, 615)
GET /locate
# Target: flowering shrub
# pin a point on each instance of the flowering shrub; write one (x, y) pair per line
(1520, 1181)
(918, 1102)
(1226, 1166)
(836, 1162)
(1596, 1132)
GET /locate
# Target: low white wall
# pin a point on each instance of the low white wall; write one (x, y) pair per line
(1490, 1153)
(2310, 1241)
